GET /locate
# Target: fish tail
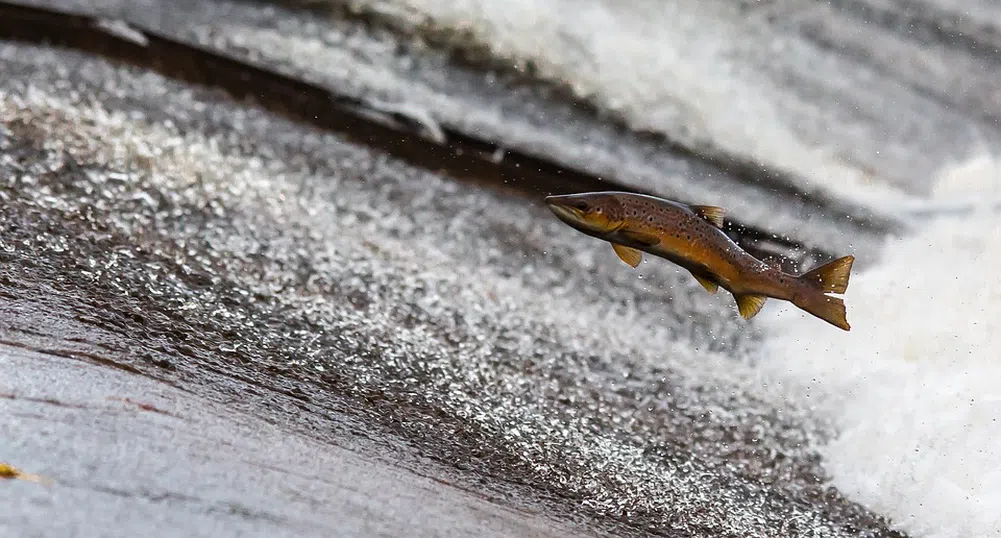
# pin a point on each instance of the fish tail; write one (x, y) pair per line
(831, 277)
(825, 307)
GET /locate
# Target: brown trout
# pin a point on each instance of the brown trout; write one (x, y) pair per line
(691, 236)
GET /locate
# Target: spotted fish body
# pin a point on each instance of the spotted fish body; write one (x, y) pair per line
(691, 237)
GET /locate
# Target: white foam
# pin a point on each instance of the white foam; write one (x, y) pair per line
(916, 385)
(971, 186)
(663, 67)
(334, 61)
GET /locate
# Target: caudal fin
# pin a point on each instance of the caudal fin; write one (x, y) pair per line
(831, 277)
(827, 308)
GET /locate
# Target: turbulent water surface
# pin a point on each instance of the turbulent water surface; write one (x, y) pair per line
(204, 240)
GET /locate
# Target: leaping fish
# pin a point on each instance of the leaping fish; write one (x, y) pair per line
(691, 236)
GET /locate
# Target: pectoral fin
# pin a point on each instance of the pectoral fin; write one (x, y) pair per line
(641, 238)
(629, 255)
(749, 305)
(711, 213)
(708, 283)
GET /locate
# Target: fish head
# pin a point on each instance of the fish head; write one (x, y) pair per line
(595, 213)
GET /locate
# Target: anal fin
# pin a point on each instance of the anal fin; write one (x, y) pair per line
(707, 282)
(749, 305)
(630, 255)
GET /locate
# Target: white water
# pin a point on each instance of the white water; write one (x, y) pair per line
(916, 385)
(670, 67)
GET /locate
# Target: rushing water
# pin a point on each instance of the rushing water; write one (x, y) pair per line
(635, 394)
(914, 387)
(748, 78)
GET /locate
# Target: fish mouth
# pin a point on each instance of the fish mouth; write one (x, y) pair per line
(575, 218)
(591, 222)
(565, 213)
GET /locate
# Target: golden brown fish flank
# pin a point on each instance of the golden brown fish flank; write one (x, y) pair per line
(691, 236)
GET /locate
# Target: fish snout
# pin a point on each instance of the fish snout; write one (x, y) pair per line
(586, 213)
(558, 200)
(565, 213)
(560, 205)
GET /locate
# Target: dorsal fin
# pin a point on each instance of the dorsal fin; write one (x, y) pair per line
(711, 213)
